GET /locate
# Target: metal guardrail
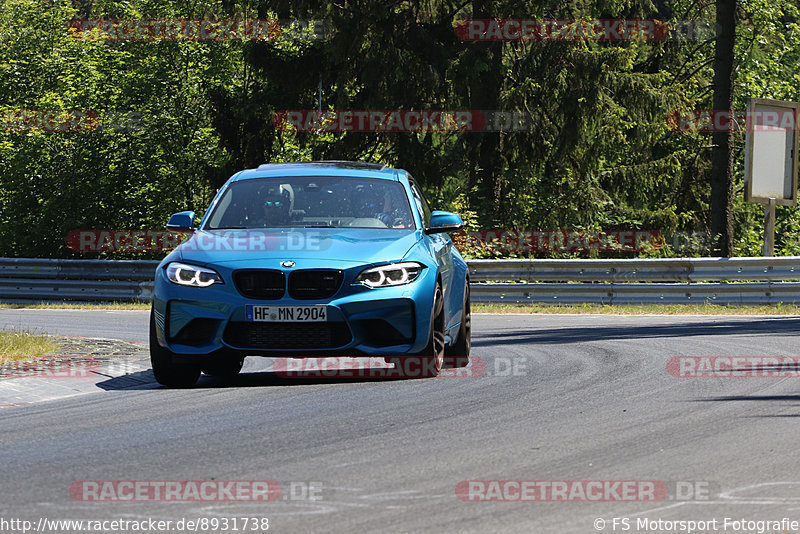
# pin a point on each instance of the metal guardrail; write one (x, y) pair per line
(84, 280)
(629, 281)
(640, 270)
(723, 294)
(741, 281)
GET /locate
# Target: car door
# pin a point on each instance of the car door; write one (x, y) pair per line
(440, 246)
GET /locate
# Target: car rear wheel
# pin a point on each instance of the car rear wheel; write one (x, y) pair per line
(166, 371)
(224, 364)
(428, 363)
(458, 354)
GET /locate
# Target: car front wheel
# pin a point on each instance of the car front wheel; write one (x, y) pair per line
(166, 371)
(458, 354)
(428, 362)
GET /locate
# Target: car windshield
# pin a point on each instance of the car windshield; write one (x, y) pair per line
(312, 202)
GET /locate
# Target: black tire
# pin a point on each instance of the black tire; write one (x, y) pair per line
(428, 362)
(224, 364)
(166, 371)
(458, 354)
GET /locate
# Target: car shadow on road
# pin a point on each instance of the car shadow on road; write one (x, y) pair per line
(300, 378)
(780, 401)
(131, 381)
(732, 398)
(146, 380)
(696, 327)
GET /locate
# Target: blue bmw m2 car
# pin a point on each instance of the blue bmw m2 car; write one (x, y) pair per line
(301, 260)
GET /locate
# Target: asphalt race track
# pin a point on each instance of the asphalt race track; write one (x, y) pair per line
(559, 398)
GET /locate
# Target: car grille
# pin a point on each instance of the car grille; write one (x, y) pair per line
(273, 336)
(314, 283)
(265, 284)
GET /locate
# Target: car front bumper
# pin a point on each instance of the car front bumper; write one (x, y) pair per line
(361, 321)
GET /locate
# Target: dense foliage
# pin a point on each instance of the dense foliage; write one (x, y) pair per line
(177, 118)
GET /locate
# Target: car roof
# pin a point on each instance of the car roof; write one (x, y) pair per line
(355, 169)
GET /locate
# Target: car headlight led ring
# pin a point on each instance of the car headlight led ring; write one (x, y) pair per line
(394, 274)
(192, 275)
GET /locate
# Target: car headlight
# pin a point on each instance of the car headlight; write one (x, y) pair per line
(192, 275)
(394, 274)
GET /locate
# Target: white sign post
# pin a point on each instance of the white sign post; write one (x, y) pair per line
(770, 163)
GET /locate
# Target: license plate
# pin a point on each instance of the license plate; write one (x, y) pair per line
(288, 314)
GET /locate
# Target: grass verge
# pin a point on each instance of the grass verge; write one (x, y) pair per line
(23, 345)
(75, 305)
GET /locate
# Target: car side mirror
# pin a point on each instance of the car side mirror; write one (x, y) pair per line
(181, 223)
(444, 221)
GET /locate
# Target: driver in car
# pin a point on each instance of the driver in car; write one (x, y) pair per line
(381, 205)
(278, 205)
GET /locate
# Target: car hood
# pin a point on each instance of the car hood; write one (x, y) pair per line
(340, 245)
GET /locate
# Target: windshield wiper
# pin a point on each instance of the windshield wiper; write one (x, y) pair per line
(319, 226)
